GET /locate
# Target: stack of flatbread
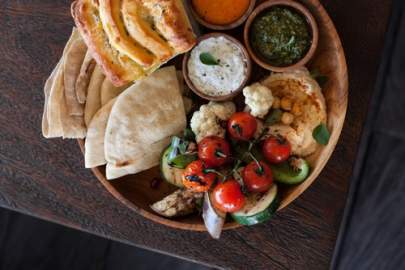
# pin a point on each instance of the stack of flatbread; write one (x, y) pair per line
(130, 131)
(74, 92)
(126, 128)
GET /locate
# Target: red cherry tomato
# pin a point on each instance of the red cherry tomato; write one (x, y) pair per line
(228, 197)
(242, 126)
(257, 179)
(276, 149)
(214, 151)
(196, 179)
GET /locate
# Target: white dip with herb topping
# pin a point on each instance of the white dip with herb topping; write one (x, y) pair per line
(224, 69)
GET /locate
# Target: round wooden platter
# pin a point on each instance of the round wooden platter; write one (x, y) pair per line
(137, 191)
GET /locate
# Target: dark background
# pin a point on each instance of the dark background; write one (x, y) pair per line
(372, 234)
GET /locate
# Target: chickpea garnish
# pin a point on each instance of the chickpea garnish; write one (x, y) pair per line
(286, 104)
(287, 118)
(296, 109)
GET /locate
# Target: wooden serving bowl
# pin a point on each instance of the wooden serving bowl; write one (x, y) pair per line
(223, 97)
(137, 191)
(232, 25)
(299, 8)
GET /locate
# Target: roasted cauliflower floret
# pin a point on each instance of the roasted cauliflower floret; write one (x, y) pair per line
(258, 98)
(206, 121)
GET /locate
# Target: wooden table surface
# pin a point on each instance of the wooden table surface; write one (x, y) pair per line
(46, 178)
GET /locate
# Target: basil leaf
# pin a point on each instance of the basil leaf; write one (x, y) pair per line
(207, 59)
(181, 161)
(321, 134)
(319, 77)
(274, 117)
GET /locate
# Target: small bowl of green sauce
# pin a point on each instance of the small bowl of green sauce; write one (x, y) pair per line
(281, 35)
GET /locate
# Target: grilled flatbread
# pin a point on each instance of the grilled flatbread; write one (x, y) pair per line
(131, 39)
(119, 68)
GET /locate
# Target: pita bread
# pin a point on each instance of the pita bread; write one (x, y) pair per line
(142, 120)
(84, 77)
(73, 61)
(73, 125)
(46, 129)
(60, 122)
(141, 162)
(109, 91)
(93, 99)
(94, 146)
(55, 128)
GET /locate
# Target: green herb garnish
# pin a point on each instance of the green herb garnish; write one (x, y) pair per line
(274, 117)
(321, 134)
(207, 59)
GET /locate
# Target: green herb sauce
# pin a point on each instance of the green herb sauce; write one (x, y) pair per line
(281, 36)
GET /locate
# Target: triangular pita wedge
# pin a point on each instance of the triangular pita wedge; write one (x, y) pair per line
(94, 146)
(55, 128)
(142, 120)
(93, 100)
(140, 162)
(72, 126)
(47, 91)
(109, 91)
(84, 77)
(73, 61)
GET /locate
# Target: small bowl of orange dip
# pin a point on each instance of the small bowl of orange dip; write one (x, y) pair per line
(221, 14)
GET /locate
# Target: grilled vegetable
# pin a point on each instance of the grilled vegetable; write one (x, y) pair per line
(180, 203)
(213, 219)
(170, 174)
(258, 208)
(293, 171)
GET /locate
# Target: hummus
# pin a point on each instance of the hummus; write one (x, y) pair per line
(301, 88)
(222, 78)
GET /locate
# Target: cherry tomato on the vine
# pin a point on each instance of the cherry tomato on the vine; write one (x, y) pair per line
(276, 149)
(214, 151)
(196, 178)
(242, 126)
(228, 196)
(257, 178)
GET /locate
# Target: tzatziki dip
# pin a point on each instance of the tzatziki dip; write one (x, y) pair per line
(217, 66)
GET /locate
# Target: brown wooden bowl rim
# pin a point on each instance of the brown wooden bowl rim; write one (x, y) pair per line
(229, 26)
(300, 8)
(235, 92)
